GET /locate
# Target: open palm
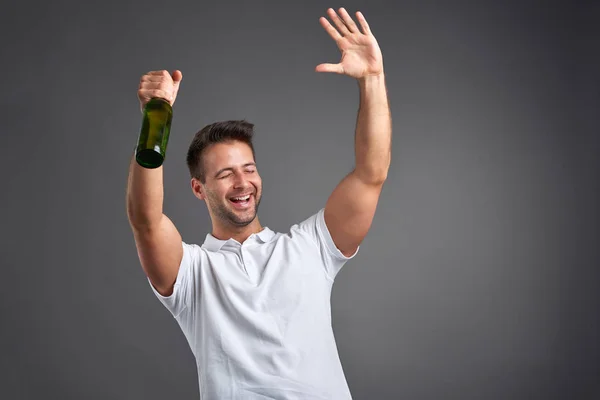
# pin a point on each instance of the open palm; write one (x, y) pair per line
(361, 55)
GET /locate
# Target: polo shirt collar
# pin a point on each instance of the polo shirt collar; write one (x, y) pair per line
(214, 244)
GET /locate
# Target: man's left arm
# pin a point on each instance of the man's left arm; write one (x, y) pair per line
(350, 209)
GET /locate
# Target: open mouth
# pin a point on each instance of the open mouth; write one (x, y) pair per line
(241, 201)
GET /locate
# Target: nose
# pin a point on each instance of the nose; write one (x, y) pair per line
(240, 181)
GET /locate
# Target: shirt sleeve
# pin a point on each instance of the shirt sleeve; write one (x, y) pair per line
(316, 228)
(184, 290)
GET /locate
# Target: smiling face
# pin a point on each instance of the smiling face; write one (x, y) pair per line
(233, 187)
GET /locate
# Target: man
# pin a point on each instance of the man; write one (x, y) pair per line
(254, 304)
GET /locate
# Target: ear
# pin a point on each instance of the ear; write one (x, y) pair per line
(198, 189)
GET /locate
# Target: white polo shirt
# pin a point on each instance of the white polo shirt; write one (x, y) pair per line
(257, 315)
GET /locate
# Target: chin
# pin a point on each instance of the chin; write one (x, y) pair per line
(239, 218)
(242, 221)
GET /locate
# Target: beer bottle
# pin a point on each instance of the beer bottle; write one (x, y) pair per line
(154, 135)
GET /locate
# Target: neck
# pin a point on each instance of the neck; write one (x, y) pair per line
(239, 233)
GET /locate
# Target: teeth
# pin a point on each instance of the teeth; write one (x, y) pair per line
(242, 198)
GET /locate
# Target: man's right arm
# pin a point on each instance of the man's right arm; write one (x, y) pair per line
(159, 244)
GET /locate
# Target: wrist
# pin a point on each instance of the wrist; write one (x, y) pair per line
(372, 79)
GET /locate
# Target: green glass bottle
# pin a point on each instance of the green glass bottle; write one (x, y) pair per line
(154, 135)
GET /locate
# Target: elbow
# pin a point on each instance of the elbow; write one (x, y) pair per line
(143, 222)
(374, 173)
(141, 219)
(373, 176)
(377, 180)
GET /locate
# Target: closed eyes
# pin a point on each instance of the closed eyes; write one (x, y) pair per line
(229, 174)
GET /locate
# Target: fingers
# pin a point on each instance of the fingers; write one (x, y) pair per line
(347, 20)
(335, 35)
(363, 23)
(159, 84)
(162, 73)
(145, 95)
(344, 24)
(157, 76)
(152, 78)
(149, 85)
(340, 25)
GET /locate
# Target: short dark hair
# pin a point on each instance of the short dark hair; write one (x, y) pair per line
(217, 132)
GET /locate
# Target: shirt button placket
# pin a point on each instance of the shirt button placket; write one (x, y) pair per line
(247, 262)
(240, 255)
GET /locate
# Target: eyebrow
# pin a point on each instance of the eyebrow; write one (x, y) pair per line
(231, 169)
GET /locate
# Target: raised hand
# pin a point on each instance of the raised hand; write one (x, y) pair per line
(361, 55)
(159, 84)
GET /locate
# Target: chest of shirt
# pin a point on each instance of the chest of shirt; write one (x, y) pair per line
(273, 275)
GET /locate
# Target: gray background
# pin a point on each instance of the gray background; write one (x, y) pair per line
(479, 278)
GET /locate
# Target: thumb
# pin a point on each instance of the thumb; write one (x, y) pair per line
(336, 68)
(177, 76)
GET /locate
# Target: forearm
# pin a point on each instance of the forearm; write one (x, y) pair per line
(144, 195)
(373, 139)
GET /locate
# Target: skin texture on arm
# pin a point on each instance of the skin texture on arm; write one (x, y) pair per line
(350, 209)
(158, 243)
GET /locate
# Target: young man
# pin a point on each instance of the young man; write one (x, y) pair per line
(254, 304)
